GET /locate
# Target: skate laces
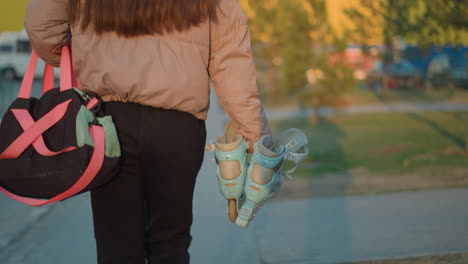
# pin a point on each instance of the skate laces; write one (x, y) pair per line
(296, 147)
(210, 146)
(296, 158)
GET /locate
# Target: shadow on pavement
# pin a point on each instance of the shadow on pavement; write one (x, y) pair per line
(338, 210)
(433, 125)
(319, 230)
(436, 127)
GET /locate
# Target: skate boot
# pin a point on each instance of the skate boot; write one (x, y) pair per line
(230, 152)
(265, 172)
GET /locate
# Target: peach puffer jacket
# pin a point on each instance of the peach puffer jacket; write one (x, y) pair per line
(170, 71)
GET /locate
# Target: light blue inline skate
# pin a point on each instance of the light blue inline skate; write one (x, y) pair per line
(265, 172)
(230, 151)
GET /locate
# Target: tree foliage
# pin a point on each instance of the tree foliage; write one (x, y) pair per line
(421, 22)
(438, 22)
(292, 39)
(284, 32)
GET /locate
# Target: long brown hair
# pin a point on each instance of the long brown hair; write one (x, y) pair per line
(132, 18)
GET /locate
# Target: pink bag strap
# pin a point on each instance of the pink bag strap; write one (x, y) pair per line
(26, 122)
(48, 81)
(97, 159)
(65, 69)
(28, 79)
(33, 131)
(67, 78)
(22, 142)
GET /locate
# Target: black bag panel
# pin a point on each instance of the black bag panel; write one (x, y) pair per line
(108, 172)
(62, 134)
(36, 176)
(10, 129)
(43, 178)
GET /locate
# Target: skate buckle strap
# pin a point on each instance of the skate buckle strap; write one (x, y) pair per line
(237, 154)
(296, 158)
(267, 162)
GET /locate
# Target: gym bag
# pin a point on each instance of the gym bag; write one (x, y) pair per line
(57, 146)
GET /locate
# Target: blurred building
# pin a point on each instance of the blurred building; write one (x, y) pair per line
(12, 15)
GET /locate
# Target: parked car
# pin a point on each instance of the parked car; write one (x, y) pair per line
(444, 66)
(446, 72)
(438, 73)
(400, 74)
(460, 77)
(15, 52)
(459, 69)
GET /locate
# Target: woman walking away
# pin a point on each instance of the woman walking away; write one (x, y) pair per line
(151, 61)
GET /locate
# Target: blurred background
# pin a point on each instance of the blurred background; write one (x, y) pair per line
(380, 87)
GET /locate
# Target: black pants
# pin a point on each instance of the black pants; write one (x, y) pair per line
(146, 211)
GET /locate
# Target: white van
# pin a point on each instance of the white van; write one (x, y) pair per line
(15, 52)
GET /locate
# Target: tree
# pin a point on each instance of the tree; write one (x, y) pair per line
(392, 16)
(286, 33)
(420, 22)
(294, 45)
(438, 22)
(280, 30)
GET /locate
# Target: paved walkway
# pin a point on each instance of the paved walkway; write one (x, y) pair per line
(345, 229)
(311, 231)
(319, 230)
(16, 219)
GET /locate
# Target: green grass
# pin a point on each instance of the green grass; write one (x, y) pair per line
(389, 144)
(409, 96)
(366, 97)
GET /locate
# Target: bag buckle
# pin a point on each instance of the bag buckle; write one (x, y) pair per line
(97, 107)
(95, 110)
(94, 121)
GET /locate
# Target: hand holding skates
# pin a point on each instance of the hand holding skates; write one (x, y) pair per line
(248, 180)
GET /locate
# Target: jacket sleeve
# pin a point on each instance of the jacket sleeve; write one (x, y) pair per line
(232, 72)
(47, 25)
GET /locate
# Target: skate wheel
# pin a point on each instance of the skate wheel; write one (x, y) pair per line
(232, 208)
